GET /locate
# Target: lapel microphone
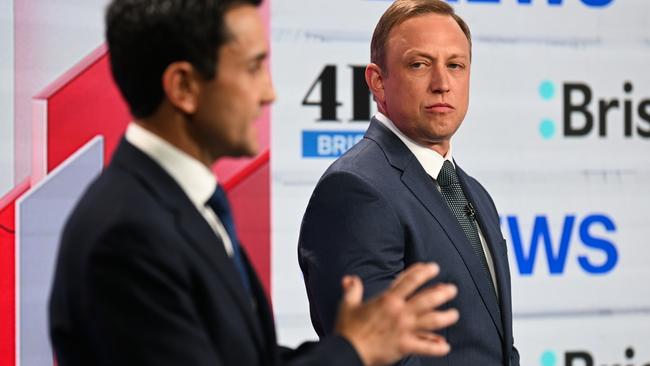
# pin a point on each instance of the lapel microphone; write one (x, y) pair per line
(470, 211)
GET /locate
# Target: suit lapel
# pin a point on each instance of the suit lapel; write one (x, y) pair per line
(191, 224)
(262, 303)
(423, 188)
(210, 247)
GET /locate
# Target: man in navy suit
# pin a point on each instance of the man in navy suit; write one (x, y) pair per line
(150, 271)
(398, 197)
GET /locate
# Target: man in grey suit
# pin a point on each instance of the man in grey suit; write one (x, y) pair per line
(398, 197)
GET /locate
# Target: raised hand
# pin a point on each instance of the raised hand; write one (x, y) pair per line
(400, 321)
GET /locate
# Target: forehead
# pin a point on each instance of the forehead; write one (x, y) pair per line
(428, 32)
(246, 30)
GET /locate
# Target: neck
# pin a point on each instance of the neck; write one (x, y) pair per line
(441, 148)
(174, 128)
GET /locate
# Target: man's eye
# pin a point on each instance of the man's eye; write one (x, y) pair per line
(417, 65)
(255, 67)
(454, 66)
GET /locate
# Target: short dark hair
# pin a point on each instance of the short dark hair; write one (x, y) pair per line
(146, 36)
(399, 12)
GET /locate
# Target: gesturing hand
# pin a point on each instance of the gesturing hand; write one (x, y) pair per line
(399, 321)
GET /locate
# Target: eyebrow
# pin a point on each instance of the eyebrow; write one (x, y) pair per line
(430, 57)
(261, 56)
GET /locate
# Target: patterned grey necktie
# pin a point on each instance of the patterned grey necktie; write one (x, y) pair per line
(463, 211)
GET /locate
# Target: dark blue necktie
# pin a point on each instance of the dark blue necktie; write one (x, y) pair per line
(219, 204)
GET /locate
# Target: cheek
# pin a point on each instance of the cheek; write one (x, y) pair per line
(463, 87)
(465, 100)
(243, 99)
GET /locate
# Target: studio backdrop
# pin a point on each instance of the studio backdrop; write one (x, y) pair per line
(558, 131)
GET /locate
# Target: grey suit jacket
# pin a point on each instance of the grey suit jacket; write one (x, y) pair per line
(374, 212)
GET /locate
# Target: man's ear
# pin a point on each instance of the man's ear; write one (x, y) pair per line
(375, 81)
(182, 87)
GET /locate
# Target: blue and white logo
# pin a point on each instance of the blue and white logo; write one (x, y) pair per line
(585, 114)
(556, 241)
(590, 3)
(585, 358)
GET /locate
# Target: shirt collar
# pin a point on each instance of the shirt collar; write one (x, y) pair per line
(430, 160)
(195, 179)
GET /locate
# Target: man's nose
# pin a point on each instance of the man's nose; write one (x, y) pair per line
(439, 79)
(268, 94)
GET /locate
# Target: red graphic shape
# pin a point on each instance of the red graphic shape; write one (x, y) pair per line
(82, 104)
(7, 274)
(249, 192)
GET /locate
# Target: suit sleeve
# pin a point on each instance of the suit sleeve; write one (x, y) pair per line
(514, 358)
(139, 300)
(348, 228)
(333, 350)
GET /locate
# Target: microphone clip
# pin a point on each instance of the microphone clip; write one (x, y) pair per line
(470, 211)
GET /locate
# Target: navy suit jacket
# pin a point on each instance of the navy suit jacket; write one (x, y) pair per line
(142, 279)
(374, 212)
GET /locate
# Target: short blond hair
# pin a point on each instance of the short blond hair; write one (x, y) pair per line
(402, 10)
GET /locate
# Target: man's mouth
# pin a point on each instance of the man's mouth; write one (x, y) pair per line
(440, 108)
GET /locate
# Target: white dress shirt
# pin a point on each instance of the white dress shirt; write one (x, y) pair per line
(432, 162)
(195, 179)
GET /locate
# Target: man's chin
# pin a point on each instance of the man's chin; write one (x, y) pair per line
(246, 151)
(251, 152)
(251, 149)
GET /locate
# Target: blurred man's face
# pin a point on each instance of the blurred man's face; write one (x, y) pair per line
(232, 101)
(426, 79)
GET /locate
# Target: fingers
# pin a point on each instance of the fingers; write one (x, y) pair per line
(432, 345)
(412, 278)
(352, 291)
(430, 336)
(432, 297)
(435, 320)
